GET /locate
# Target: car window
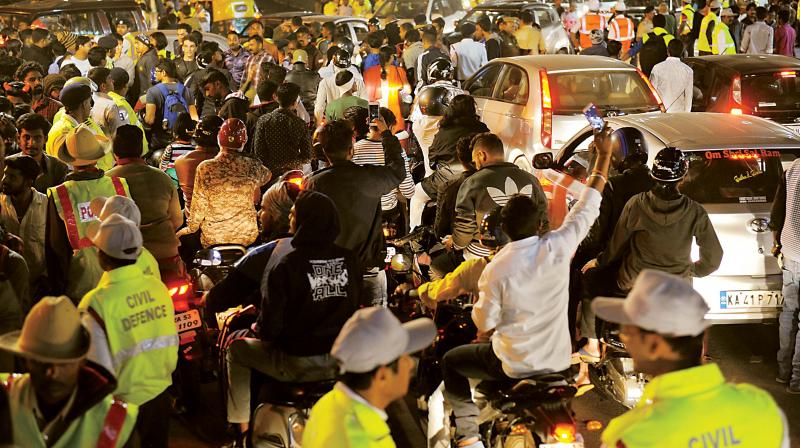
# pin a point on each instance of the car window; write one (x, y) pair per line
(483, 83)
(772, 91)
(514, 87)
(80, 23)
(543, 17)
(361, 31)
(619, 91)
(732, 176)
(699, 96)
(128, 16)
(402, 9)
(343, 30)
(442, 7)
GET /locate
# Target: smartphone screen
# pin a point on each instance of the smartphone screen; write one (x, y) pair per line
(593, 117)
(374, 111)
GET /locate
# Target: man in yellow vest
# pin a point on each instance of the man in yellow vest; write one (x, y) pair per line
(685, 26)
(132, 322)
(705, 36)
(591, 21)
(72, 263)
(687, 403)
(722, 42)
(373, 351)
(76, 96)
(621, 28)
(123, 29)
(47, 406)
(126, 112)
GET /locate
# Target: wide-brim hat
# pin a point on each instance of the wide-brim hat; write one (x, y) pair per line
(81, 146)
(52, 333)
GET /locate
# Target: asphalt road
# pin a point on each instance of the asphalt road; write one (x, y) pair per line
(746, 353)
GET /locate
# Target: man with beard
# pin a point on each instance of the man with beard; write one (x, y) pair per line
(33, 129)
(30, 73)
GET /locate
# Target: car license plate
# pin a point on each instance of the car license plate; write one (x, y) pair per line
(750, 299)
(188, 320)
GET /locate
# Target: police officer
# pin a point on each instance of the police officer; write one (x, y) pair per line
(710, 20)
(71, 259)
(722, 41)
(132, 321)
(687, 403)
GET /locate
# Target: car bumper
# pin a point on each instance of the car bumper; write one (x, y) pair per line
(711, 286)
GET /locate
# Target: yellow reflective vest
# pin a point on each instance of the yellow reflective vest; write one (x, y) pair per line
(339, 420)
(702, 41)
(658, 31)
(137, 314)
(62, 124)
(687, 17)
(72, 199)
(696, 408)
(107, 424)
(722, 41)
(128, 116)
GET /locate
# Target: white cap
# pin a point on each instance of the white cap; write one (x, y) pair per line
(373, 337)
(658, 302)
(117, 237)
(620, 6)
(727, 12)
(594, 5)
(715, 4)
(103, 207)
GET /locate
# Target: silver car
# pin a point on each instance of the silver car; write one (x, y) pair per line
(734, 171)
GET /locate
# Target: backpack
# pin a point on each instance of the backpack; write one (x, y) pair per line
(508, 45)
(653, 51)
(174, 104)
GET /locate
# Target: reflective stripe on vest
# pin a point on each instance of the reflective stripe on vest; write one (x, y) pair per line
(730, 45)
(622, 34)
(112, 426)
(71, 222)
(596, 22)
(144, 346)
(702, 41)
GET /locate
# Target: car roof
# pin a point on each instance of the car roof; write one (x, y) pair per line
(566, 62)
(324, 18)
(747, 63)
(287, 14)
(707, 130)
(33, 7)
(501, 5)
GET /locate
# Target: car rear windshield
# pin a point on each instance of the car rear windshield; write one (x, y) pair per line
(612, 91)
(772, 91)
(733, 176)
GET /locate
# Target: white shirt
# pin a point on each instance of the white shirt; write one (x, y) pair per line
(331, 70)
(105, 113)
(674, 81)
(790, 234)
(524, 295)
(329, 91)
(467, 56)
(83, 64)
(757, 39)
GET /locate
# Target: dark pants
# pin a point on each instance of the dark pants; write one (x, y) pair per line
(688, 44)
(152, 423)
(468, 361)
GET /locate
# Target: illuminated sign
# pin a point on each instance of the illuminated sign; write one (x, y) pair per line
(742, 154)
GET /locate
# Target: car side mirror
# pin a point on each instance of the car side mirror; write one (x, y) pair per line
(208, 257)
(543, 161)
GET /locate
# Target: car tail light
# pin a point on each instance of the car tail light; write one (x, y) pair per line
(737, 90)
(653, 90)
(787, 74)
(180, 293)
(564, 432)
(736, 111)
(547, 110)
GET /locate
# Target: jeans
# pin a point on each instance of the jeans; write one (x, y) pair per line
(788, 336)
(468, 361)
(250, 353)
(374, 289)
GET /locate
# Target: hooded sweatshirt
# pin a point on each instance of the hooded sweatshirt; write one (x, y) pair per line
(314, 289)
(654, 233)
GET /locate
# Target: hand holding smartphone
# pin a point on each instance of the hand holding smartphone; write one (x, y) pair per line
(594, 118)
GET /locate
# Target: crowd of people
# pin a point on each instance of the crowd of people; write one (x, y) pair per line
(122, 156)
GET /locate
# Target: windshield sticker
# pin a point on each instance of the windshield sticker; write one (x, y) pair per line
(763, 104)
(747, 175)
(752, 199)
(741, 154)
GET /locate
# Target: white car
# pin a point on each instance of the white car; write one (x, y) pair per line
(405, 10)
(735, 166)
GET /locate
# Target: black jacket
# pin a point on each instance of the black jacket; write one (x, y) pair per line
(38, 54)
(312, 291)
(356, 191)
(144, 69)
(308, 81)
(443, 148)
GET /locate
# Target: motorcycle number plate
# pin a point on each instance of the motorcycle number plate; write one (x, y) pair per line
(391, 251)
(188, 321)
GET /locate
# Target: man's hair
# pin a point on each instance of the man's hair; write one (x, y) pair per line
(485, 23)
(26, 165)
(302, 30)
(21, 109)
(526, 17)
(614, 47)
(701, 4)
(120, 77)
(358, 116)
(783, 15)
(69, 71)
(343, 77)
(39, 34)
(659, 21)
(336, 139)
(256, 38)
(521, 218)
(188, 28)
(107, 262)
(412, 36)
(467, 29)
(689, 348)
(97, 57)
(330, 26)
(25, 34)
(233, 31)
(363, 381)
(751, 5)
(420, 19)
(407, 26)
(297, 21)
(128, 141)
(82, 40)
(275, 72)
(196, 37)
(388, 117)
(761, 13)
(438, 21)
(168, 67)
(27, 67)
(429, 36)
(287, 94)
(98, 75)
(490, 143)
(675, 48)
(160, 40)
(266, 89)
(32, 122)
(214, 76)
(375, 39)
(464, 151)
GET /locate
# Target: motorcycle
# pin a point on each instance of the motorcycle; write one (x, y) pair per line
(613, 375)
(404, 268)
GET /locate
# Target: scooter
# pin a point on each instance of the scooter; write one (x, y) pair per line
(614, 376)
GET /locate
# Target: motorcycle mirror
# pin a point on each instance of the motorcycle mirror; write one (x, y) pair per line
(208, 257)
(543, 161)
(401, 263)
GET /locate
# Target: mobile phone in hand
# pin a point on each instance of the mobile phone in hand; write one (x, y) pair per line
(594, 118)
(374, 111)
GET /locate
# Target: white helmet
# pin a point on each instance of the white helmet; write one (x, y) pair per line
(594, 5)
(620, 6)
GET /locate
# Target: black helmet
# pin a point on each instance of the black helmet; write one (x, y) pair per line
(440, 69)
(492, 234)
(341, 58)
(206, 133)
(670, 165)
(433, 100)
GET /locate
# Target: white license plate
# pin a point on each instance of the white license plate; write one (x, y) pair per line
(188, 320)
(795, 128)
(391, 251)
(562, 445)
(750, 299)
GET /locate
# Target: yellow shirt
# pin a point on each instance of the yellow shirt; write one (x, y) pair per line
(364, 10)
(530, 38)
(330, 9)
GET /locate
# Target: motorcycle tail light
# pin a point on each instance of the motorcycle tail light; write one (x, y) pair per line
(564, 432)
(547, 110)
(180, 293)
